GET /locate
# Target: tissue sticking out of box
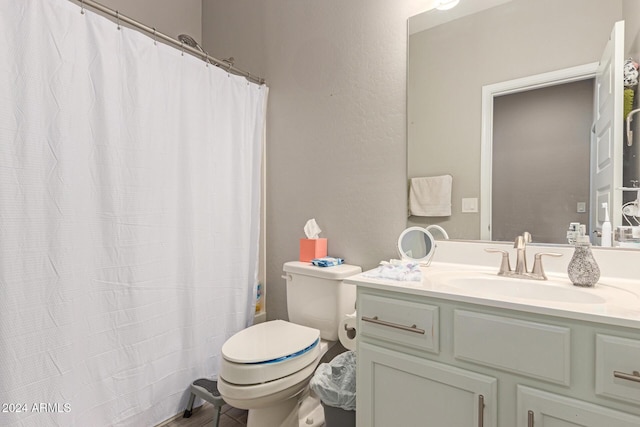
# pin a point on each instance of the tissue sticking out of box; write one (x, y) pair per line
(311, 229)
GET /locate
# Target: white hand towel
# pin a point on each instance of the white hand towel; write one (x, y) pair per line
(430, 196)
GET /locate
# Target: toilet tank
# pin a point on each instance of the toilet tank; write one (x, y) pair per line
(317, 297)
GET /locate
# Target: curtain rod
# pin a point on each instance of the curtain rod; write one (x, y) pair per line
(170, 40)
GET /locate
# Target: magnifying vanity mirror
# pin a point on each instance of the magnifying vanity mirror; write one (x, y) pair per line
(418, 244)
(451, 58)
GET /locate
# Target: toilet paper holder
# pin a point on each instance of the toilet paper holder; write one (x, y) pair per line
(351, 332)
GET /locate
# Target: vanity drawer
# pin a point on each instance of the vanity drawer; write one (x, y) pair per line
(616, 360)
(401, 322)
(526, 348)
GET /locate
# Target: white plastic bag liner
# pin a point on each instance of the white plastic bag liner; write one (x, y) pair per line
(335, 382)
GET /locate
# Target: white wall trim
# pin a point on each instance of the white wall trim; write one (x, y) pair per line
(489, 92)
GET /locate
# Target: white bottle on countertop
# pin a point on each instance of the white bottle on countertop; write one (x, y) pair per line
(606, 228)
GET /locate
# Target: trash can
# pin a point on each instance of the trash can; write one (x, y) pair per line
(335, 385)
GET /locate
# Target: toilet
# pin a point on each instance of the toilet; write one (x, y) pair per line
(266, 368)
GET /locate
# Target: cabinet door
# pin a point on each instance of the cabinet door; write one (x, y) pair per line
(541, 409)
(396, 389)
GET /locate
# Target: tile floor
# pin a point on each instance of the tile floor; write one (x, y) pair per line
(204, 415)
(230, 417)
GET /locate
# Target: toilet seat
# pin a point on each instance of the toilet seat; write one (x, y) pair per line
(265, 394)
(268, 351)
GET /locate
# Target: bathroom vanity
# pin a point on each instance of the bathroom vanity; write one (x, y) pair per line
(466, 347)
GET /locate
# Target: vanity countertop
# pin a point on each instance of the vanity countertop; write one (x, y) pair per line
(612, 301)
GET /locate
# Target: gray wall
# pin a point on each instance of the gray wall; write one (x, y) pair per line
(450, 63)
(541, 152)
(336, 139)
(631, 12)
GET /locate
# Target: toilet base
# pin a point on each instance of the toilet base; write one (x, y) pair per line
(289, 413)
(311, 413)
(282, 415)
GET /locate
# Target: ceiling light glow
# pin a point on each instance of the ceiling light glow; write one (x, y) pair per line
(447, 4)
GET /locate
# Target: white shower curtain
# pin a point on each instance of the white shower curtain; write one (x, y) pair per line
(129, 218)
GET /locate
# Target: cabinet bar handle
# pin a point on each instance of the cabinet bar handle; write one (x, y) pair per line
(377, 321)
(635, 376)
(480, 411)
(530, 419)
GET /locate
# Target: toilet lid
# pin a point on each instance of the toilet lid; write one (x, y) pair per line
(270, 342)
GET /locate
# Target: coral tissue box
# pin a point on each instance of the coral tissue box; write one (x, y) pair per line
(312, 248)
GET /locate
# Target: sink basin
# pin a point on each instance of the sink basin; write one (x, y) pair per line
(489, 285)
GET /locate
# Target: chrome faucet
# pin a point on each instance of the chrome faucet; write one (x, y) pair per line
(521, 271)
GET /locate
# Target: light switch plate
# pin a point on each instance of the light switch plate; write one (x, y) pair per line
(582, 207)
(470, 205)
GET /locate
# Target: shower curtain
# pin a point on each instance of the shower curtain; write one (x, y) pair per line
(129, 218)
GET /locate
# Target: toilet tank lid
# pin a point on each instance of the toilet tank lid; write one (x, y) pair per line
(336, 272)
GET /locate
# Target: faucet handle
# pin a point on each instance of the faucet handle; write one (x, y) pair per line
(505, 266)
(537, 270)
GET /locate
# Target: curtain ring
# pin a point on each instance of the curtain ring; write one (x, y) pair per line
(248, 78)
(82, 7)
(205, 58)
(155, 41)
(118, 20)
(181, 48)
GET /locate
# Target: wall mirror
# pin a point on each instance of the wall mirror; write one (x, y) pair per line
(452, 58)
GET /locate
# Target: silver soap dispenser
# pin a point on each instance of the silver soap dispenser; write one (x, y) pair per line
(583, 269)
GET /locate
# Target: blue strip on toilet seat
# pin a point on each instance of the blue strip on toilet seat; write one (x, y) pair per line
(291, 356)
